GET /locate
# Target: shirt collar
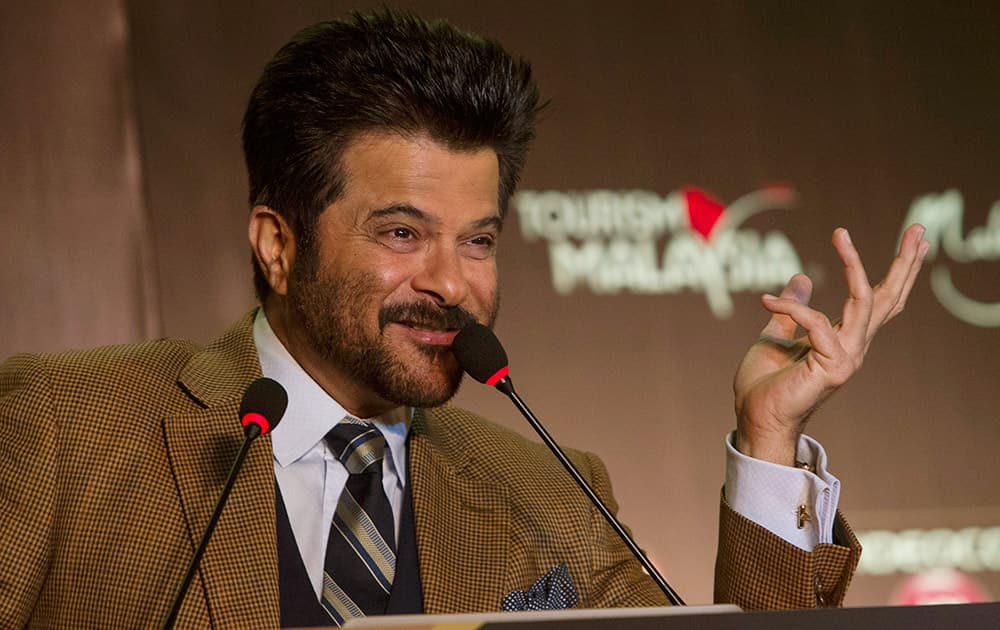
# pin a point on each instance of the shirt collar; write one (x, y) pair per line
(311, 411)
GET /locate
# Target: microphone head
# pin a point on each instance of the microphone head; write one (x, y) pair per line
(480, 354)
(263, 404)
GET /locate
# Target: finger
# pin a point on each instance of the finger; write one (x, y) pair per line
(922, 248)
(892, 285)
(782, 326)
(822, 335)
(890, 291)
(858, 307)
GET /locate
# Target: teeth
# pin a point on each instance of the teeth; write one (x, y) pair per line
(424, 327)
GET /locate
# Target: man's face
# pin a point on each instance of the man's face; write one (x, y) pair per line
(401, 261)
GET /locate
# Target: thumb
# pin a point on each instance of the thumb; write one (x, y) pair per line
(781, 326)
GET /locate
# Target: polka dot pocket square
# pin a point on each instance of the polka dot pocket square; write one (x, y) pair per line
(552, 591)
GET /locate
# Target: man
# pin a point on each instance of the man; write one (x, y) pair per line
(382, 152)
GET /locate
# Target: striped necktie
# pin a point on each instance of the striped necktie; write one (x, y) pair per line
(361, 551)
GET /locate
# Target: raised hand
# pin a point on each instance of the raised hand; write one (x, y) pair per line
(783, 378)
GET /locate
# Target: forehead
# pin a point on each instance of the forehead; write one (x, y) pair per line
(383, 169)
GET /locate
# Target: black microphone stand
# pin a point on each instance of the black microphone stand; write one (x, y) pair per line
(251, 431)
(505, 386)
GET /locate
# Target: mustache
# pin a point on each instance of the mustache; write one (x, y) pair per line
(425, 315)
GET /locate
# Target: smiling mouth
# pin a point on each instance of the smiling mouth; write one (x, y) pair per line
(428, 326)
(427, 333)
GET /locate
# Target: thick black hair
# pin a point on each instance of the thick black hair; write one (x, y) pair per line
(384, 71)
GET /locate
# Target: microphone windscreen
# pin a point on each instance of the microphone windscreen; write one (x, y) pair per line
(479, 352)
(263, 404)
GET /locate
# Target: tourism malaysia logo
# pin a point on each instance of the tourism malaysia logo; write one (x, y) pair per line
(942, 216)
(644, 243)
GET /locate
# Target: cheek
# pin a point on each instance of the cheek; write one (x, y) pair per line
(383, 275)
(483, 284)
(392, 281)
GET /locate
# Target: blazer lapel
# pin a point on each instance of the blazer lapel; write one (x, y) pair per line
(238, 573)
(461, 521)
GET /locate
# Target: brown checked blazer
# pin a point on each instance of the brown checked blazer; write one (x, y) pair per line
(111, 461)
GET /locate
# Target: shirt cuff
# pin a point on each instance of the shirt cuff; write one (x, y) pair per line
(771, 495)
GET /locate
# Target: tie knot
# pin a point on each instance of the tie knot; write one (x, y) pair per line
(358, 446)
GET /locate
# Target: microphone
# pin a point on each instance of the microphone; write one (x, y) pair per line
(263, 405)
(481, 355)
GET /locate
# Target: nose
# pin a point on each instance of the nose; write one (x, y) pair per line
(441, 277)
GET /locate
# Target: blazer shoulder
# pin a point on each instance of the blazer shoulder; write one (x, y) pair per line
(132, 374)
(109, 377)
(96, 364)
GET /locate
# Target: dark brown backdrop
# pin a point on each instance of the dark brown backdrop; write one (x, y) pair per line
(125, 212)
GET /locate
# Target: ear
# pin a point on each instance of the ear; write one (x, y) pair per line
(273, 245)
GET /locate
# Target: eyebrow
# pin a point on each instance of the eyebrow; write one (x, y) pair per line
(400, 208)
(493, 221)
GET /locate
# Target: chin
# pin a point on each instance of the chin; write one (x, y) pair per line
(414, 395)
(425, 383)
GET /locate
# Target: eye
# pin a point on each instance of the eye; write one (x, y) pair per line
(399, 238)
(481, 246)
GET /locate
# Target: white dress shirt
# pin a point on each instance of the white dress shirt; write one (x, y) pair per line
(306, 470)
(770, 494)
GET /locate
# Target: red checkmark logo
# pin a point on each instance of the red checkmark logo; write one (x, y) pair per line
(703, 210)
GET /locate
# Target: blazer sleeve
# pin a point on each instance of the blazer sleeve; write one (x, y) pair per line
(755, 569)
(758, 570)
(27, 486)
